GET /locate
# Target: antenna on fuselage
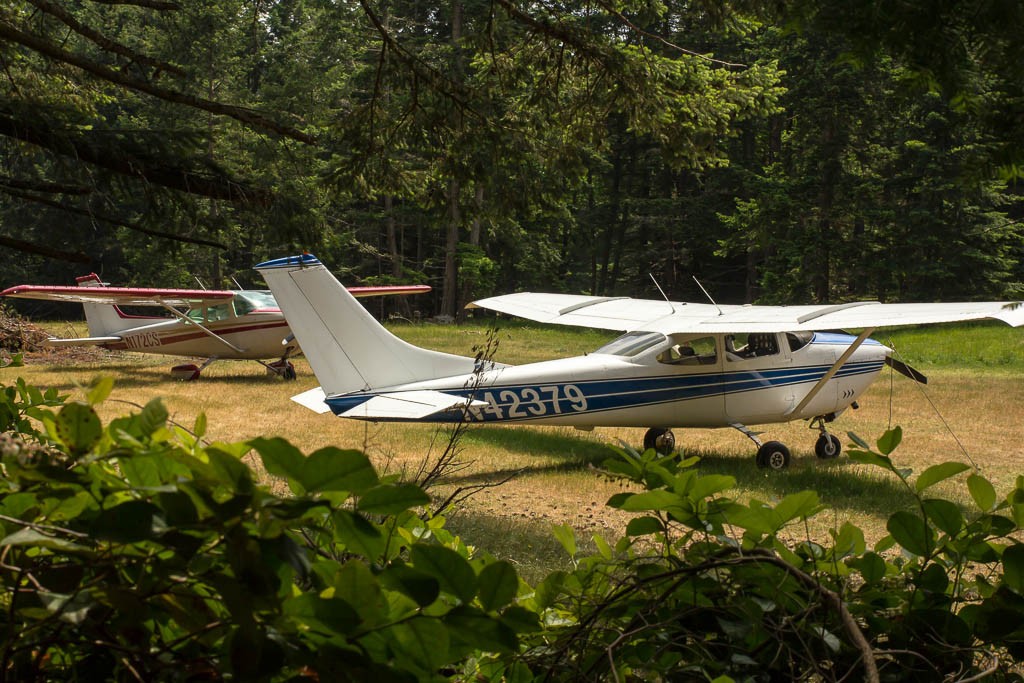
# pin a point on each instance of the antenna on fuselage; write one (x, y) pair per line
(706, 294)
(199, 281)
(236, 283)
(655, 281)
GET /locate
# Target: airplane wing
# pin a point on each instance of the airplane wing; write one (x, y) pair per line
(122, 296)
(382, 290)
(626, 314)
(150, 296)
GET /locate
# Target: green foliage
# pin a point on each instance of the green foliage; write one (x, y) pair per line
(730, 593)
(137, 551)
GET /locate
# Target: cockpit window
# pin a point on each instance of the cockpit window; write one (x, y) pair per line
(754, 345)
(632, 343)
(798, 340)
(693, 351)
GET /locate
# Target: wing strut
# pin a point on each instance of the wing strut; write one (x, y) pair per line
(184, 318)
(831, 372)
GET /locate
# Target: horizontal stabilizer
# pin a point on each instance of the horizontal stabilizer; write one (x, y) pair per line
(408, 405)
(313, 399)
(81, 341)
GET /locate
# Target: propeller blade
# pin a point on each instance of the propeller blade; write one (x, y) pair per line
(906, 370)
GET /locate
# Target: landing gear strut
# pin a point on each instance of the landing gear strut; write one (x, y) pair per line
(828, 445)
(661, 440)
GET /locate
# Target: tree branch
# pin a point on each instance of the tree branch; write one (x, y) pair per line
(37, 132)
(43, 186)
(30, 248)
(101, 40)
(149, 4)
(246, 116)
(114, 221)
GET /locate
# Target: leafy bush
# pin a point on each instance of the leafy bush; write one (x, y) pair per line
(705, 588)
(138, 551)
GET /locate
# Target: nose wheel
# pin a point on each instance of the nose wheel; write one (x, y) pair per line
(661, 440)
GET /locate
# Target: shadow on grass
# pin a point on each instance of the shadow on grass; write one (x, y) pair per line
(840, 483)
(576, 452)
(134, 375)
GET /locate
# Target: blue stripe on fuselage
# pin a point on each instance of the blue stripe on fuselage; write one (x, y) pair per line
(524, 402)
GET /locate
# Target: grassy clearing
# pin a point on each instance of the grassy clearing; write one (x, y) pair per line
(974, 373)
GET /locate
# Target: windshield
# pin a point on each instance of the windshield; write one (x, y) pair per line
(632, 343)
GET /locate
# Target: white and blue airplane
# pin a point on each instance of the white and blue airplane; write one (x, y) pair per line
(677, 365)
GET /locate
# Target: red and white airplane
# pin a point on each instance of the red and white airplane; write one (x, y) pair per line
(210, 324)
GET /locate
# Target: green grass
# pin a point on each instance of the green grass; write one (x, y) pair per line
(974, 370)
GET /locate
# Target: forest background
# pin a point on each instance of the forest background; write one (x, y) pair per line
(779, 151)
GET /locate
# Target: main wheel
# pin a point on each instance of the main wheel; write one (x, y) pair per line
(660, 439)
(828, 446)
(773, 456)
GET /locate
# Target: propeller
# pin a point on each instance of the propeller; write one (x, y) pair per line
(906, 370)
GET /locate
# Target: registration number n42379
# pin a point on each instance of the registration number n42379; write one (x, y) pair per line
(520, 403)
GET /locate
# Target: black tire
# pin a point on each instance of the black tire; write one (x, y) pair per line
(828, 447)
(773, 456)
(661, 440)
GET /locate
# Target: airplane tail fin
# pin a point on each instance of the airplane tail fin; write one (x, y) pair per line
(346, 347)
(104, 319)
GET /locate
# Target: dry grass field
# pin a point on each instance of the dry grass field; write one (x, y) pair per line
(971, 401)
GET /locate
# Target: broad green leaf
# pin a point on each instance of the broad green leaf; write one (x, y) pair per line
(797, 505)
(888, 442)
(153, 416)
(199, 430)
(129, 522)
(422, 642)
(603, 548)
(78, 427)
(944, 515)
(474, 630)
(421, 587)
(333, 469)
(567, 537)
(869, 458)
(861, 443)
(982, 491)
(1013, 567)
(936, 473)
(230, 469)
(849, 541)
(452, 571)
(498, 585)
(652, 500)
(390, 499)
(71, 608)
(871, 567)
(709, 485)
(358, 535)
(330, 616)
(641, 526)
(99, 389)
(280, 458)
(35, 538)
(910, 531)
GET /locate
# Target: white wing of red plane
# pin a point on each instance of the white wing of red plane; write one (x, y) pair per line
(151, 296)
(626, 314)
(122, 296)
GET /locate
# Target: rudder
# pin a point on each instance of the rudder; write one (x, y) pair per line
(346, 347)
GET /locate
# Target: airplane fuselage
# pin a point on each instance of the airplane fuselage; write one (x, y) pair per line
(257, 334)
(654, 386)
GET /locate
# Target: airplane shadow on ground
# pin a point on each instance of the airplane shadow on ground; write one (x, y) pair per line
(839, 483)
(129, 375)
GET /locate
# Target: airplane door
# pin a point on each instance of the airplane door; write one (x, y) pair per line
(761, 378)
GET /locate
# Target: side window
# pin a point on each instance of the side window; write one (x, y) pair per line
(221, 312)
(699, 351)
(754, 345)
